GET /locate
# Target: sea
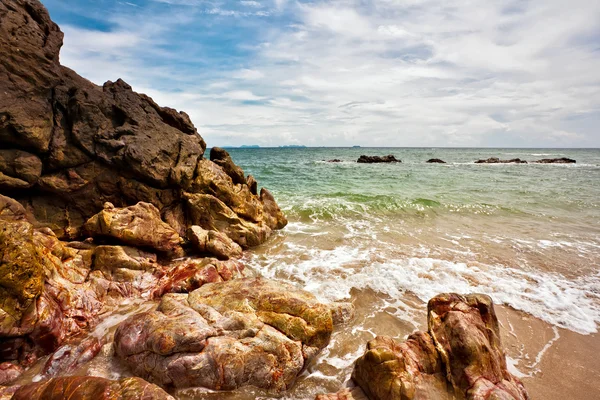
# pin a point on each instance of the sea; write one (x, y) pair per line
(388, 237)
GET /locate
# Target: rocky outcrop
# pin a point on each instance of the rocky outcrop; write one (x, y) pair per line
(214, 243)
(495, 160)
(87, 387)
(227, 335)
(335, 160)
(435, 161)
(460, 357)
(377, 159)
(102, 186)
(562, 160)
(69, 146)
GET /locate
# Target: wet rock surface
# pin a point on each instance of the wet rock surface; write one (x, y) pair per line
(87, 387)
(377, 159)
(435, 161)
(227, 335)
(460, 357)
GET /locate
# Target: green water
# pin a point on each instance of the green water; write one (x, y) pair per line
(528, 235)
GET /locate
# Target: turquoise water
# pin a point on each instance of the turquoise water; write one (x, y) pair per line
(528, 235)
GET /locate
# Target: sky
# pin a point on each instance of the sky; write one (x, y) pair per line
(380, 73)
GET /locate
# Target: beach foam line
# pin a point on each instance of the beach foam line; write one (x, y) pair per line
(332, 274)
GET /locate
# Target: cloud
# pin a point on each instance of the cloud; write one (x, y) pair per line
(379, 73)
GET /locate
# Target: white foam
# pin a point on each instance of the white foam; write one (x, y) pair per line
(331, 274)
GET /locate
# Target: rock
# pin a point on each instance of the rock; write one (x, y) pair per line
(354, 393)
(436, 161)
(9, 372)
(342, 313)
(562, 160)
(90, 387)
(210, 213)
(222, 158)
(68, 146)
(335, 160)
(227, 335)
(460, 357)
(495, 160)
(70, 356)
(252, 184)
(21, 168)
(138, 225)
(213, 242)
(274, 217)
(109, 258)
(21, 265)
(377, 159)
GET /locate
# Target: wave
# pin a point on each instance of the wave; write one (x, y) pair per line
(332, 274)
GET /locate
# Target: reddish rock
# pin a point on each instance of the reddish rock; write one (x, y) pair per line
(89, 387)
(215, 243)
(460, 357)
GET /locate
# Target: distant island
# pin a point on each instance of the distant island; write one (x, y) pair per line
(355, 147)
(293, 146)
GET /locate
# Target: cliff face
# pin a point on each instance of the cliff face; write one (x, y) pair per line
(67, 146)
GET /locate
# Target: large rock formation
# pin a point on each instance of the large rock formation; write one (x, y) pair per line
(460, 357)
(69, 146)
(227, 335)
(102, 186)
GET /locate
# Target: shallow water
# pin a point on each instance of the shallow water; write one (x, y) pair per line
(391, 236)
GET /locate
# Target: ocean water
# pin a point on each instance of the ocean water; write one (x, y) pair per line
(527, 235)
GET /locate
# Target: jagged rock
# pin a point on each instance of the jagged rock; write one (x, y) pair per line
(91, 387)
(213, 242)
(69, 146)
(436, 161)
(377, 159)
(496, 160)
(211, 213)
(252, 185)
(460, 357)
(138, 225)
(222, 158)
(274, 217)
(227, 335)
(562, 160)
(70, 356)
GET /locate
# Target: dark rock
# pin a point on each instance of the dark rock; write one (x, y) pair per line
(495, 160)
(221, 157)
(562, 160)
(90, 387)
(460, 357)
(69, 146)
(377, 159)
(436, 161)
(252, 184)
(335, 160)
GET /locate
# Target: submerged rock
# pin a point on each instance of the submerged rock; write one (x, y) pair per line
(227, 335)
(562, 160)
(377, 159)
(495, 160)
(91, 388)
(460, 357)
(436, 161)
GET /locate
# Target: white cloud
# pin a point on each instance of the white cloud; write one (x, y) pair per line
(384, 72)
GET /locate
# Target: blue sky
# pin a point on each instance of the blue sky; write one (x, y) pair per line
(353, 72)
